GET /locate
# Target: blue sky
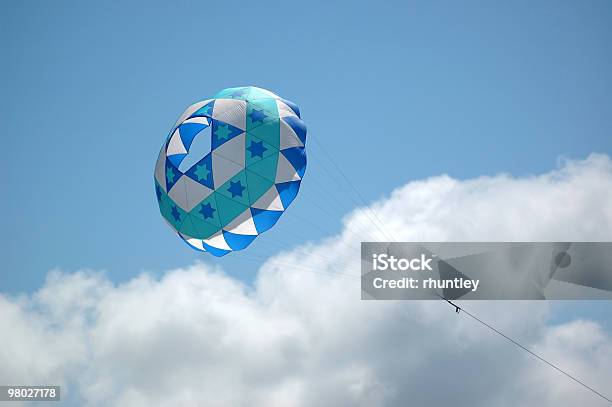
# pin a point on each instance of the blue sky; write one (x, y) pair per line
(395, 92)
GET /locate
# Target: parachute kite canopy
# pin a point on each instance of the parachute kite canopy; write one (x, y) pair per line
(251, 172)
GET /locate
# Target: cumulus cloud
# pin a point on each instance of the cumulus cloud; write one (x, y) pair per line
(298, 338)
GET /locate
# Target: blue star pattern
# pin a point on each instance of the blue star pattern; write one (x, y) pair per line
(170, 174)
(206, 110)
(207, 211)
(220, 196)
(258, 116)
(236, 189)
(176, 214)
(237, 93)
(202, 171)
(257, 149)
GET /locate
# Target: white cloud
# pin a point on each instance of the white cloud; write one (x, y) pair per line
(295, 338)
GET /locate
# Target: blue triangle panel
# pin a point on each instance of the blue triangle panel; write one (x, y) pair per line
(298, 127)
(176, 159)
(222, 132)
(196, 172)
(214, 251)
(297, 157)
(174, 168)
(236, 241)
(288, 191)
(292, 105)
(204, 111)
(264, 219)
(188, 132)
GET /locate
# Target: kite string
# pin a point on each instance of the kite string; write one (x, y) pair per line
(458, 308)
(340, 195)
(331, 198)
(369, 212)
(523, 347)
(250, 256)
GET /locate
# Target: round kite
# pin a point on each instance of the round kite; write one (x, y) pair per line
(230, 167)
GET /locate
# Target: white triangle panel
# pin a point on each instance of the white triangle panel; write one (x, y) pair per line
(288, 138)
(198, 120)
(175, 146)
(195, 193)
(217, 240)
(231, 111)
(179, 194)
(223, 169)
(233, 149)
(270, 201)
(242, 225)
(191, 110)
(284, 110)
(285, 171)
(160, 169)
(197, 243)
